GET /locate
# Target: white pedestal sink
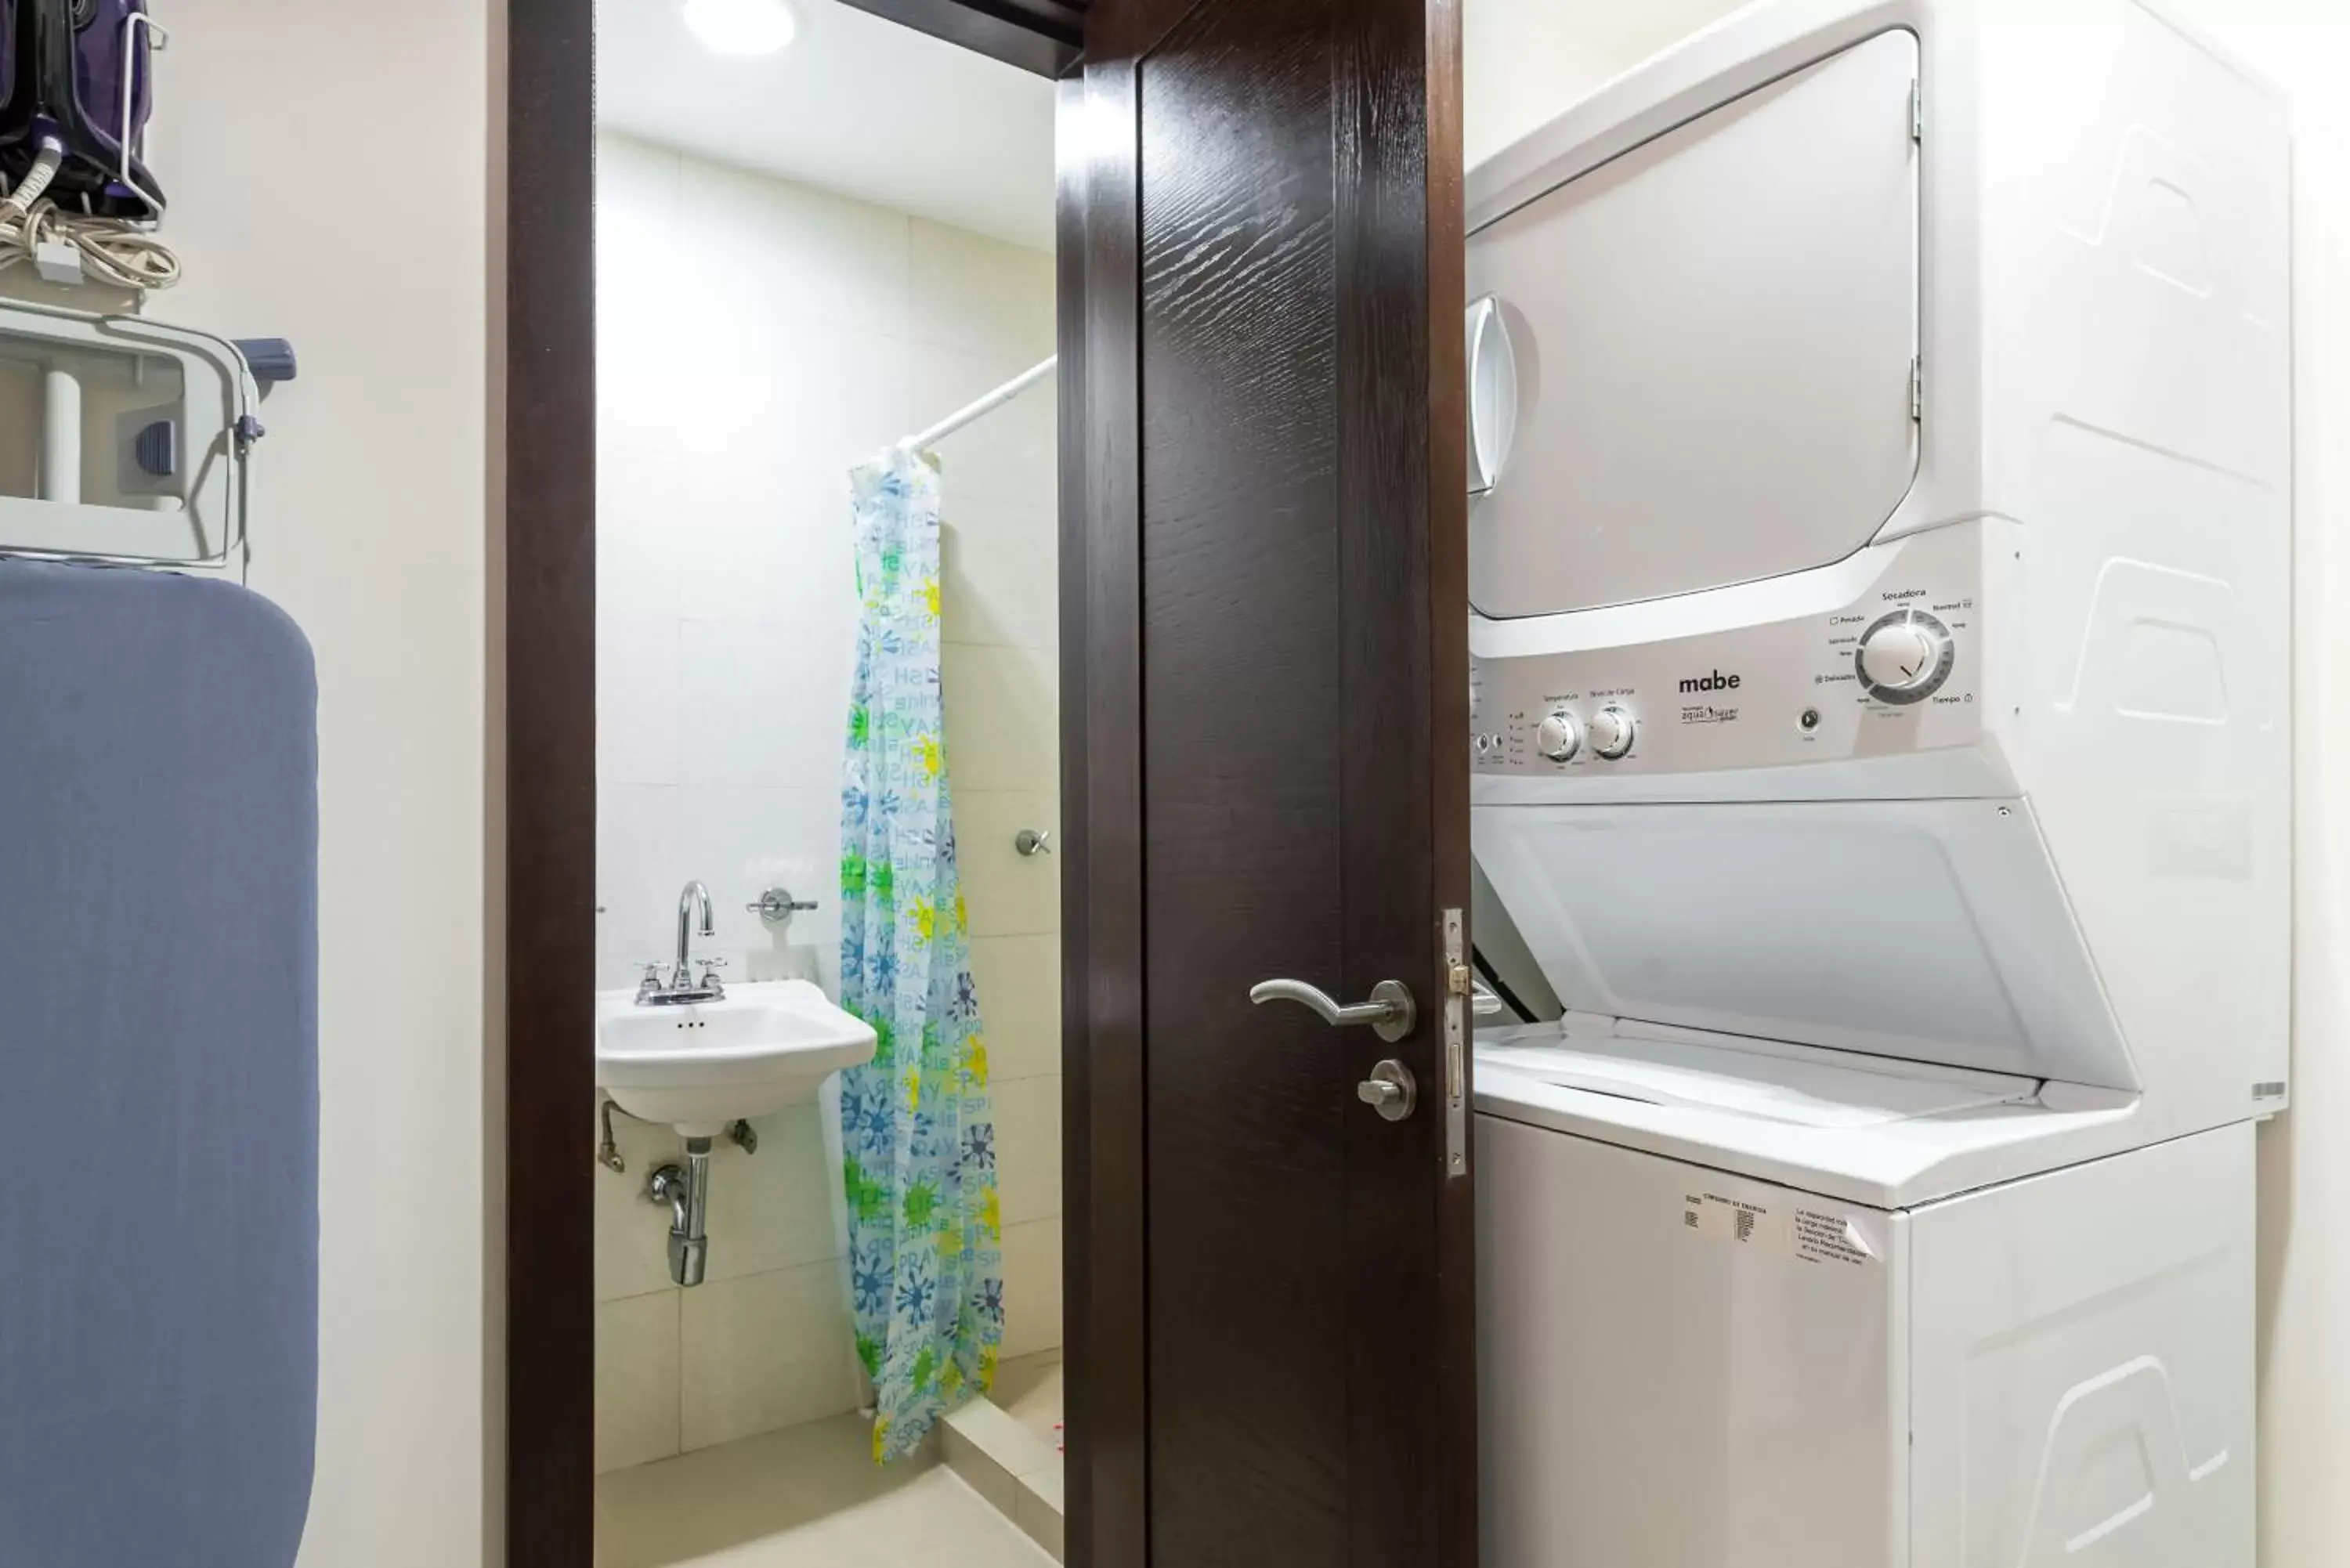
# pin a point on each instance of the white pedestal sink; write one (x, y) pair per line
(701, 1066)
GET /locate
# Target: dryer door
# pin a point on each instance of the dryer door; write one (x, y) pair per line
(1712, 337)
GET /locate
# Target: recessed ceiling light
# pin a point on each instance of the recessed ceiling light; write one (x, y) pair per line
(742, 27)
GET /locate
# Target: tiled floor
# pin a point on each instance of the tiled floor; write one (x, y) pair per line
(807, 1497)
(1029, 1390)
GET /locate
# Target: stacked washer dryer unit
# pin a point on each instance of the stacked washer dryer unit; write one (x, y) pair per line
(1881, 415)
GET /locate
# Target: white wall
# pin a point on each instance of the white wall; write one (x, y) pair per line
(330, 182)
(758, 339)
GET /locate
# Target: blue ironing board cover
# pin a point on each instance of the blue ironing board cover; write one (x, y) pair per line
(159, 1249)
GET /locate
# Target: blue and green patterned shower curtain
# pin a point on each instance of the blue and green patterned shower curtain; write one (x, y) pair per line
(925, 1234)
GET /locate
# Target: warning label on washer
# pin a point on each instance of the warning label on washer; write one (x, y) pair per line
(1805, 1235)
(1830, 1239)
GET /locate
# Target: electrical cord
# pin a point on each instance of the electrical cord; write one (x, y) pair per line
(110, 249)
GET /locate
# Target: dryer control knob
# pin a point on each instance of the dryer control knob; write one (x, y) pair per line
(1559, 737)
(1611, 733)
(1902, 655)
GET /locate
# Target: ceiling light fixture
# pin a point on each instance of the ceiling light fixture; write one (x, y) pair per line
(742, 27)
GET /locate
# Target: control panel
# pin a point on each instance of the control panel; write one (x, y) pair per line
(1896, 670)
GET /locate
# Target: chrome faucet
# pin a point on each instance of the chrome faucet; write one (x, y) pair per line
(692, 902)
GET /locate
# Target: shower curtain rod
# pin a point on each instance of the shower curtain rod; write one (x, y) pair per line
(982, 409)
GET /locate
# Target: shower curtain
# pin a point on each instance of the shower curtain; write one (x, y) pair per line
(925, 1258)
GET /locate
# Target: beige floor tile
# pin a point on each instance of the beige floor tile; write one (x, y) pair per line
(1028, 1389)
(809, 1497)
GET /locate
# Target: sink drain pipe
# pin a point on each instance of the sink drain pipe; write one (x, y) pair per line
(687, 1193)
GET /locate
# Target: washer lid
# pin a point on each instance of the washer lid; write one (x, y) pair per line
(1709, 341)
(1800, 1089)
(1923, 930)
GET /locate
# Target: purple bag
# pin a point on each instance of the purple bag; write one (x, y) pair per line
(77, 71)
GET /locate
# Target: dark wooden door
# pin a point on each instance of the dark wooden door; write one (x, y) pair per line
(1271, 1353)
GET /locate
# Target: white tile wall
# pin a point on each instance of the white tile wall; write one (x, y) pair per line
(637, 1404)
(764, 1351)
(755, 340)
(1032, 1287)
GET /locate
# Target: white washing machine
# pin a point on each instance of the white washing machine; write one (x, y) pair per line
(1880, 743)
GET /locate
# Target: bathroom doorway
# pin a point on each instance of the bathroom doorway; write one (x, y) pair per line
(826, 572)
(812, 346)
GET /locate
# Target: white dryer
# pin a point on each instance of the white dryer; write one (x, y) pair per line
(1881, 421)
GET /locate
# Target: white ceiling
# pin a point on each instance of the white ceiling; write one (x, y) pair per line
(881, 112)
(856, 105)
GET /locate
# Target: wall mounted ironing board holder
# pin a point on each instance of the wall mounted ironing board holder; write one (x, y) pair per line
(146, 432)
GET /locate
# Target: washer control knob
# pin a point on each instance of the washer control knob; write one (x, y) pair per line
(1611, 733)
(1559, 737)
(1898, 657)
(1905, 657)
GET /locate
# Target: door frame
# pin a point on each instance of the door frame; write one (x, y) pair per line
(541, 724)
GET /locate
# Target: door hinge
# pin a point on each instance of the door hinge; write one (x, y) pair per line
(1918, 112)
(1917, 389)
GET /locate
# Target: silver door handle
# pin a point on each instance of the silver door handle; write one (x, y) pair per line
(1389, 1013)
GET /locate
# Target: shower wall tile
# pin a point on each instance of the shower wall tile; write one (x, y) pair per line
(1032, 1288)
(637, 1365)
(638, 838)
(735, 562)
(637, 674)
(771, 1209)
(1028, 1149)
(1003, 718)
(1019, 981)
(1005, 893)
(756, 706)
(808, 254)
(632, 1233)
(980, 295)
(1002, 568)
(638, 559)
(1008, 456)
(860, 403)
(756, 340)
(732, 835)
(771, 1350)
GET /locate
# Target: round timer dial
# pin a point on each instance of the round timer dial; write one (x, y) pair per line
(1904, 656)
